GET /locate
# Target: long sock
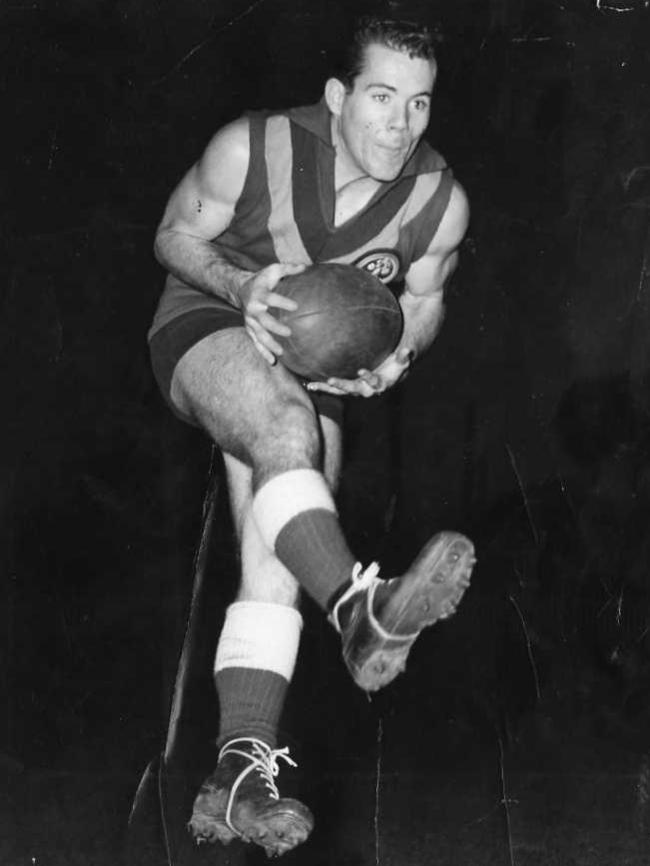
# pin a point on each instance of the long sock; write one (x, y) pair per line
(250, 704)
(255, 659)
(297, 519)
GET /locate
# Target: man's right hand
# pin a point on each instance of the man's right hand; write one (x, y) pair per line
(256, 297)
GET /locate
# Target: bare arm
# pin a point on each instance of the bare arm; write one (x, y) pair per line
(422, 303)
(200, 209)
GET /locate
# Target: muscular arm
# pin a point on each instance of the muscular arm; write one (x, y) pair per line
(422, 301)
(201, 208)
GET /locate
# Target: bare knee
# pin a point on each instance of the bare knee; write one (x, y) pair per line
(290, 440)
(256, 412)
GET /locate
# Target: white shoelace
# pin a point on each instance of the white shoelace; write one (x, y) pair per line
(367, 580)
(263, 760)
(361, 580)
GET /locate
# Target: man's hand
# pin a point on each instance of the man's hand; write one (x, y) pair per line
(256, 295)
(370, 382)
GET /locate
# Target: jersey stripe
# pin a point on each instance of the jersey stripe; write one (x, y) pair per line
(393, 235)
(287, 242)
(313, 188)
(371, 221)
(253, 208)
(429, 223)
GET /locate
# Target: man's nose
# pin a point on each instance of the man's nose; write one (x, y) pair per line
(399, 117)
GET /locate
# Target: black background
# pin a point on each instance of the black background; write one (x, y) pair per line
(527, 425)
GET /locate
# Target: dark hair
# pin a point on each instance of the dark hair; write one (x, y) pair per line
(414, 38)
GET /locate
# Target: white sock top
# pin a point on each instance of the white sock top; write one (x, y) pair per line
(287, 495)
(260, 635)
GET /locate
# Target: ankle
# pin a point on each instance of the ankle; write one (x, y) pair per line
(359, 590)
(336, 597)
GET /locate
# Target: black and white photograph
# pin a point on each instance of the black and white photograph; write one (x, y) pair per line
(325, 486)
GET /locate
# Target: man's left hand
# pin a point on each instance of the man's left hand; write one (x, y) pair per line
(370, 382)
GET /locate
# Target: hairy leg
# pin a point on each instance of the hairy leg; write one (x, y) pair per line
(256, 412)
(262, 417)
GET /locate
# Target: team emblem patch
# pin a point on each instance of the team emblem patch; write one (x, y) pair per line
(383, 264)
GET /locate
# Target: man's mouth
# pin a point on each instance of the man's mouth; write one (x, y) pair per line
(394, 150)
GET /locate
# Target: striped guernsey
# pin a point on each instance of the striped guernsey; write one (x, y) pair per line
(286, 209)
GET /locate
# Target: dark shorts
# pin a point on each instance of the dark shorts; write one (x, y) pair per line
(168, 345)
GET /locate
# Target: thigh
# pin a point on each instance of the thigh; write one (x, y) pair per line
(168, 344)
(224, 384)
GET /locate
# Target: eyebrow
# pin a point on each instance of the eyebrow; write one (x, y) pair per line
(394, 89)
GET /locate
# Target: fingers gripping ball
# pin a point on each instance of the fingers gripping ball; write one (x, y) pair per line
(347, 320)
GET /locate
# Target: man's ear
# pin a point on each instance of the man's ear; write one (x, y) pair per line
(334, 94)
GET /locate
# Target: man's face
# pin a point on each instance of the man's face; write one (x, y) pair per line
(380, 121)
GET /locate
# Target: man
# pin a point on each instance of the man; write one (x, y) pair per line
(347, 180)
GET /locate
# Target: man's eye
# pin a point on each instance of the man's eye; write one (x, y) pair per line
(380, 97)
(421, 104)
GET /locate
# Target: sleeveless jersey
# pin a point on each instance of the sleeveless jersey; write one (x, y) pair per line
(285, 212)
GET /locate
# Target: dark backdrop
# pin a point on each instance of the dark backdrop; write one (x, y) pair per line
(526, 425)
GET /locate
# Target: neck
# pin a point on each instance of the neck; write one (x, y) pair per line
(345, 170)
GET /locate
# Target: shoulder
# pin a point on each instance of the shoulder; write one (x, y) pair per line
(227, 152)
(454, 222)
(458, 209)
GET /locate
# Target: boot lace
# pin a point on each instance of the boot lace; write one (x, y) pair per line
(361, 580)
(263, 760)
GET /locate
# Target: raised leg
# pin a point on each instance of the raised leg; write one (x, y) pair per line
(290, 537)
